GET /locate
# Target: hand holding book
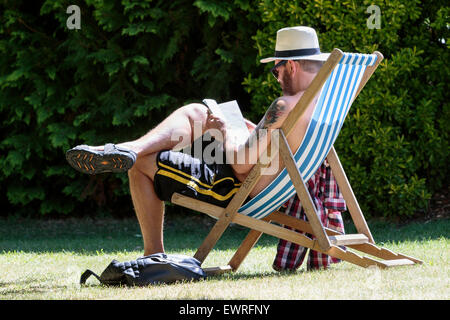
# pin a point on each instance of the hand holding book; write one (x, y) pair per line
(237, 130)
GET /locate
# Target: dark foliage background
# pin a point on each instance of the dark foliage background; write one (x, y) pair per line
(134, 62)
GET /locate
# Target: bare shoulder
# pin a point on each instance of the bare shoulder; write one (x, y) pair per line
(289, 102)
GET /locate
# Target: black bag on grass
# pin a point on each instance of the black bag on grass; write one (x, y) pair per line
(152, 269)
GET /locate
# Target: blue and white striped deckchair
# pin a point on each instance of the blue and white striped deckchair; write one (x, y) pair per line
(337, 85)
(334, 102)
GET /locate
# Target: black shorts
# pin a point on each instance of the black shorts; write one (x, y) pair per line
(182, 173)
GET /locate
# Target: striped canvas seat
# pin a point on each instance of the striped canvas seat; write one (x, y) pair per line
(335, 99)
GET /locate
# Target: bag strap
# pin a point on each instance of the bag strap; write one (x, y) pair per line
(86, 275)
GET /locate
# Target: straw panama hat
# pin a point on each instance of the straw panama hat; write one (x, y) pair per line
(297, 43)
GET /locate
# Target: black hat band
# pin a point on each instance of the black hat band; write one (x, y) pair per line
(297, 53)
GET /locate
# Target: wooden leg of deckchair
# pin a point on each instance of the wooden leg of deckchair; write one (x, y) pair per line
(229, 213)
(245, 247)
(303, 193)
(243, 250)
(347, 192)
(211, 239)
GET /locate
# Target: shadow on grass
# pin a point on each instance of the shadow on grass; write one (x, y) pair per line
(183, 233)
(94, 236)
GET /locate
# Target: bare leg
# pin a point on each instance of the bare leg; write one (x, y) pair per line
(149, 208)
(176, 130)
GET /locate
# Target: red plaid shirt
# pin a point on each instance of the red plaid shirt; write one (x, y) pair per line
(329, 204)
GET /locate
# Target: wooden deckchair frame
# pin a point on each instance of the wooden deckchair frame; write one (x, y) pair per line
(326, 240)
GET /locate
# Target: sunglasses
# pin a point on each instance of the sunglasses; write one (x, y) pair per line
(274, 69)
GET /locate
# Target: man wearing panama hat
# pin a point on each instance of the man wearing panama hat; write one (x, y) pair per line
(156, 171)
(297, 60)
(296, 45)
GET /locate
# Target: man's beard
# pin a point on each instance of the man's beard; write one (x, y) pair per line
(287, 88)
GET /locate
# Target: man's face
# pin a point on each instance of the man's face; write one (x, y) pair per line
(287, 84)
(293, 78)
(285, 79)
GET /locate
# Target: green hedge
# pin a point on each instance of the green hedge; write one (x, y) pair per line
(394, 143)
(134, 62)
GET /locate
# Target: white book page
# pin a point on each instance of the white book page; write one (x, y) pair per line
(237, 130)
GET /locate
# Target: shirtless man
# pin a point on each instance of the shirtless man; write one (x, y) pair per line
(156, 171)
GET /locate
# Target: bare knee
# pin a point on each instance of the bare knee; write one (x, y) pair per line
(134, 173)
(195, 112)
(190, 124)
(144, 165)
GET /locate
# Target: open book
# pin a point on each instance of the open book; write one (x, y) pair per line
(237, 130)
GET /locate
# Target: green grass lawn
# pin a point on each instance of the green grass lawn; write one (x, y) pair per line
(44, 260)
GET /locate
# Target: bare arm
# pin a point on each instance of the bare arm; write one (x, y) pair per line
(246, 155)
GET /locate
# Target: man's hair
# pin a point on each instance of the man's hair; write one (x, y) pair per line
(311, 66)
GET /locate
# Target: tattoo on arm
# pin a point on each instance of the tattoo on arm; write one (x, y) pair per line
(272, 115)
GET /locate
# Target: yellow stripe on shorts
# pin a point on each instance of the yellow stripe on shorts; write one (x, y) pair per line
(196, 187)
(195, 179)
